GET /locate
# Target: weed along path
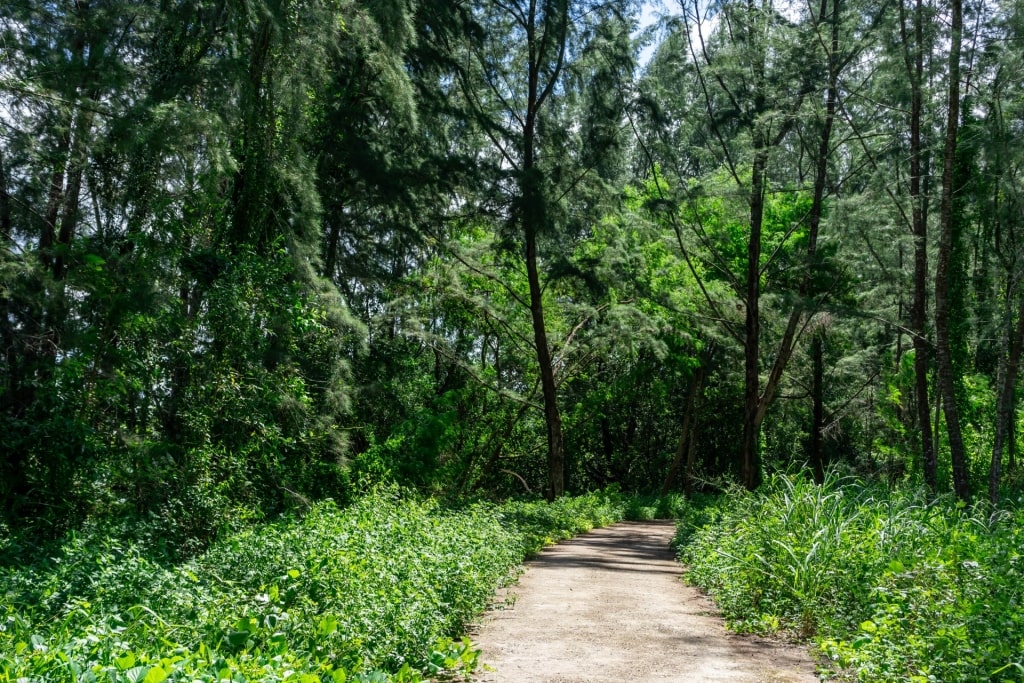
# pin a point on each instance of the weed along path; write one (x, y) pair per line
(608, 606)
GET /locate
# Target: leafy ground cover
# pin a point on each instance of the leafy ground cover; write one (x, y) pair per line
(373, 592)
(890, 586)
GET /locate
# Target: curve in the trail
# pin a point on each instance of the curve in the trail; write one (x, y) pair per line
(610, 606)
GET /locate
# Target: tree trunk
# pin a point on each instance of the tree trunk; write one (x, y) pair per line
(685, 435)
(1005, 402)
(919, 228)
(943, 353)
(691, 458)
(533, 217)
(5, 205)
(552, 416)
(789, 337)
(818, 411)
(72, 196)
(55, 199)
(751, 469)
(331, 250)
(532, 197)
(251, 194)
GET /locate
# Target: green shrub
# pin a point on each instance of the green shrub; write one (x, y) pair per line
(373, 592)
(336, 593)
(539, 523)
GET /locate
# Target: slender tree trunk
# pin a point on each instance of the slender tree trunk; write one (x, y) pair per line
(5, 204)
(943, 353)
(534, 217)
(751, 465)
(11, 465)
(331, 250)
(552, 416)
(1005, 402)
(689, 480)
(789, 336)
(69, 215)
(919, 228)
(685, 434)
(821, 177)
(818, 410)
(55, 198)
(1011, 434)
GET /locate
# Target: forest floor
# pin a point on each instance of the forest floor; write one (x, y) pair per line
(609, 606)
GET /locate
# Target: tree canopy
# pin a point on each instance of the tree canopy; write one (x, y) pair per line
(261, 252)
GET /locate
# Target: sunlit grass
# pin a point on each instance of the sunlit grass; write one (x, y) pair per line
(889, 585)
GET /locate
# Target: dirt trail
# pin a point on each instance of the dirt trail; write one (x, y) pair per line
(609, 606)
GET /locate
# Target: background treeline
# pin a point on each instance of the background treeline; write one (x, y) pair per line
(259, 252)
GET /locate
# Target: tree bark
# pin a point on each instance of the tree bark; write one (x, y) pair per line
(685, 436)
(751, 455)
(1005, 402)
(818, 410)
(5, 205)
(943, 353)
(533, 219)
(790, 336)
(69, 215)
(919, 229)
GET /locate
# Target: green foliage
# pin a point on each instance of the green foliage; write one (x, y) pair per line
(889, 585)
(541, 524)
(373, 592)
(646, 508)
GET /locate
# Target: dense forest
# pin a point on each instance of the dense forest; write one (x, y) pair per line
(262, 252)
(258, 254)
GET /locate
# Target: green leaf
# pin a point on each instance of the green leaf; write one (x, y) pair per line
(137, 674)
(328, 625)
(237, 638)
(156, 675)
(247, 624)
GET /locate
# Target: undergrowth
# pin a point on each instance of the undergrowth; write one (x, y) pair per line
(890, 586)
(373, 592)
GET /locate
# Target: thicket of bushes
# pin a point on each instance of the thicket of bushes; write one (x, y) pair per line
(372, 592)
(889, 585)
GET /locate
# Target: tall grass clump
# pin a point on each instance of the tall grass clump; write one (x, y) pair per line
(891, 586)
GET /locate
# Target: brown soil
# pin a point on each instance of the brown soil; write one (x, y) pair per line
(610, 606)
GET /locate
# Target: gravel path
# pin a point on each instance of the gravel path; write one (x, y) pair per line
(609, 606)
